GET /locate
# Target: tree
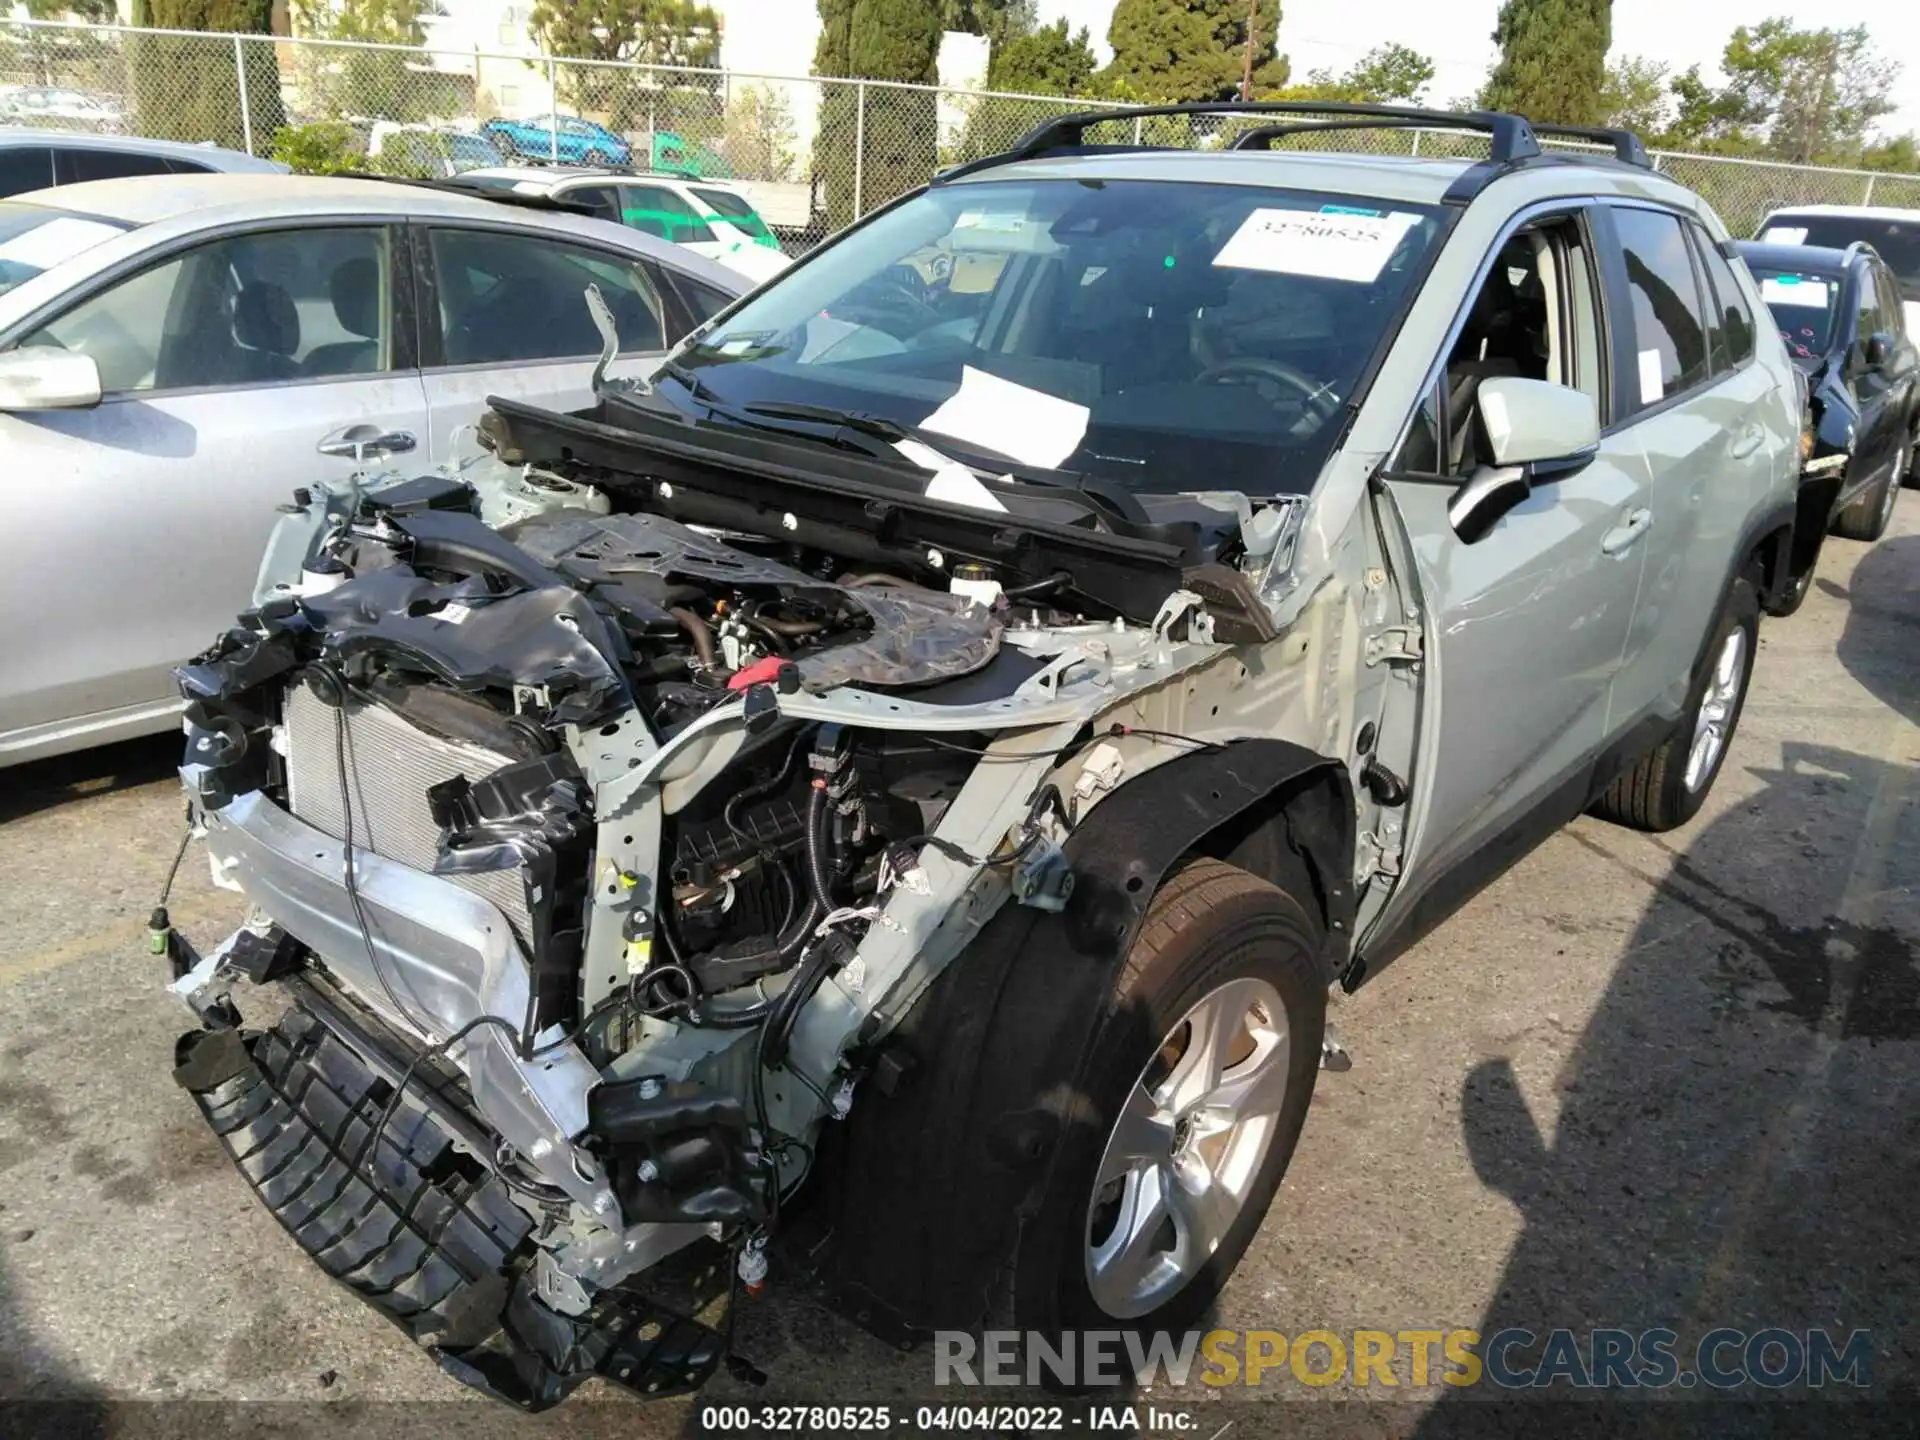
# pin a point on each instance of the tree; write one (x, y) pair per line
(758, 137)
(1815, 92)
(995, 19)
(1899, 154)
(1175, 50)
(1552, 61)
(1388, 74)
(383, 84)
(1637, 95)
(1044, 61)
(634, 32)
(187, 88)
(894, 131)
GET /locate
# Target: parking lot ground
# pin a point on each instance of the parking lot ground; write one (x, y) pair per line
(1642, 1081)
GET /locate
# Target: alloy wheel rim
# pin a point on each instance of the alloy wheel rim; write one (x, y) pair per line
(1186, 1148)
(1715, 716)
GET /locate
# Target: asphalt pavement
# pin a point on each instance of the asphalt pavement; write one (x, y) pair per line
(1642, 1081)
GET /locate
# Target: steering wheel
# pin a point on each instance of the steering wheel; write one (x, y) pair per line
(1314, 396)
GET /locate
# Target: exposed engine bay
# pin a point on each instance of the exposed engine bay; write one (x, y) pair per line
(600, 850)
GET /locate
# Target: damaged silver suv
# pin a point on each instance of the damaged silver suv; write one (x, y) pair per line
(915, 769)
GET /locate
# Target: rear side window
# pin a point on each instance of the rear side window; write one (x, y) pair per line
(1730, 328)
(1669, 319)
(656, 210)
(24, 168)
(74, 166)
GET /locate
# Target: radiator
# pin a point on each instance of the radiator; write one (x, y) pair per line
(390, 765)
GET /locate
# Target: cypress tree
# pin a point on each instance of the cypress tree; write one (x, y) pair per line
(1169, 50)
(899, 133)
(189, 89)
(1553, 60)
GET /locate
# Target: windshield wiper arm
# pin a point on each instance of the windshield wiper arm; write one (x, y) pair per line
(879, 426)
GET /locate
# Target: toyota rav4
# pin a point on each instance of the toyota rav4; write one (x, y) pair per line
(919, 764)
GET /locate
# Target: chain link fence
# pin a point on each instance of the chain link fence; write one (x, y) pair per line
(815, 154)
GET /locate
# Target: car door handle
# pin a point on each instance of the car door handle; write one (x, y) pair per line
(1619, 540)
(1749, 441)
(361, 443)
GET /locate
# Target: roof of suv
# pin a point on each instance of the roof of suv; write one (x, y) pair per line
(212, 156)
(1405, 178)
(1858, 212)
(1809, 259)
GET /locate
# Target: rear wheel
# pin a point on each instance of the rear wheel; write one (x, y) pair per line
(1203, 1071)
(1667, 786)
(1867, 518)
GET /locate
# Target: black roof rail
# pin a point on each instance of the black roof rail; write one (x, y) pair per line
(452, 185)
(1511, 136)
(1626, 145)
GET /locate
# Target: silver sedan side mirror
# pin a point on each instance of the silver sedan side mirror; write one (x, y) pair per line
(42, 378)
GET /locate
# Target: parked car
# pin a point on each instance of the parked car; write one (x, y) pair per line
(62, 107)
(1894, 235)
(665, 153)
(566, 139)
(980, 732)
(428, 151)
(1840, 316)
(706, 216)
(175, 351)
(37, 159)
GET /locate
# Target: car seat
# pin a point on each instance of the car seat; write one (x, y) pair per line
(354, 289)
(266, 332)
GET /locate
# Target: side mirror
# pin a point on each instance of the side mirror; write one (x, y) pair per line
(42, 378)
(1536, 432)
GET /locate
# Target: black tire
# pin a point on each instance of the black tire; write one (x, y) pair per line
(1789, 600)
(1654, 795)
(1208, 924)
(1867, 518)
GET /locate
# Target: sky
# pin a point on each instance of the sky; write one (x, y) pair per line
(1457, 34)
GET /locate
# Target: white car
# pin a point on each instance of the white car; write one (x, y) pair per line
(1894, 235)
(707, 217)
(178, 353)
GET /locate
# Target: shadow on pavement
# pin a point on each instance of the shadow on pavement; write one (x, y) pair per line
(1881, 644)
(42, 784)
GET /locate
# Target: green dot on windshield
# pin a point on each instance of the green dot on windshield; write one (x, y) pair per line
(1169, 262)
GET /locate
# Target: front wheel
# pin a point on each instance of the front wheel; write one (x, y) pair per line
(1204, 1068)
(1668, 785)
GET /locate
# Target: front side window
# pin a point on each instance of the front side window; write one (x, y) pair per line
(1157, 334)
(1730, 327)
(1669, 319)
(659, 211)
(507, 297)
(250, 310)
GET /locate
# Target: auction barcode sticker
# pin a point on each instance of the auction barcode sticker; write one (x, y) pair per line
(1325, 246)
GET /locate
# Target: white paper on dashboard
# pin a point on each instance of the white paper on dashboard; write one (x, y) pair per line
(952, 481)
(1652, 386)
(59, 239)
(1032, 426)
(1323, 246)
(1777, 290)
(1785, 235)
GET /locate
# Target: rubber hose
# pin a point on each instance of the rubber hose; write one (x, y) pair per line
(818, 875)
(698, 633)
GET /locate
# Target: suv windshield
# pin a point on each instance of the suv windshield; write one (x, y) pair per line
(1803, 308)
(1897, 241)
(1162, 335)
(34, 238)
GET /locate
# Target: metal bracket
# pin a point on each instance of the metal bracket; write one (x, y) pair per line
(1375, 855)
(1396, 645)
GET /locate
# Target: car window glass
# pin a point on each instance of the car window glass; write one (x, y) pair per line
(177, 166)
(735, 210)
(663, 212)
(512, 297)
(74, 165)
(603, 200)
(24, 168)
(1669, 323)
(1892, 319)
(1805, 309)
(703, 300)
(1895, 241)
(249, 310)
(1731, 326)
(1867, 305)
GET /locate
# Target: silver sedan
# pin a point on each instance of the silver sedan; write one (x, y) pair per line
(178, 353)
